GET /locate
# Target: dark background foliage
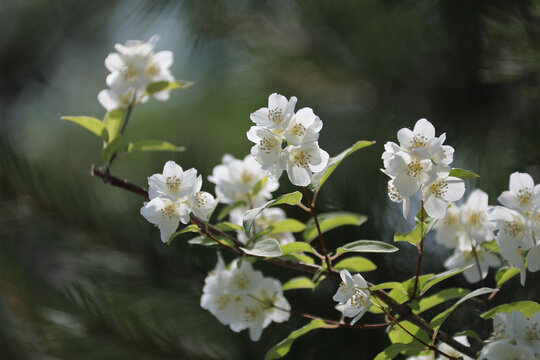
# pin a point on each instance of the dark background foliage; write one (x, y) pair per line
(84, 276)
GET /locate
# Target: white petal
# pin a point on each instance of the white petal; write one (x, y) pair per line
(114, 62)
(509, 199)
(406, 185)
(172, 169)
(425, 128)
(520, 181)
(299, 176)
(163, 58)
(456, 188)
(533, 258)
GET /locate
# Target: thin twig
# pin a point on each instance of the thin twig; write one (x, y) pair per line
(321, 240)
(485, 297)
(124, 125)
(420, 249)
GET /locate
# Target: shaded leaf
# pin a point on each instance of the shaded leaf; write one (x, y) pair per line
(320, 178)
(89, 123)
(227, 209)
(427, 303)
(187, 229)
(395, 349)
(388, 285)
(504, 274)
(264, 248)
(250, 215)
(372, 246)
(441, 277)
(356, 264)
(329, 221)
(228, 226)
(397, 335)
(283, 347)
(258, 186)
(527, 308)
(299, 258)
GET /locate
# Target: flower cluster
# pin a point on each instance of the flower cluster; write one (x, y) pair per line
(175, 194)
(447, 349)
(465, 227)
(278, 122)
(353, 296)
(420, 164)
(133, 67)
(514, 337)
(518, 223)
(242, 298)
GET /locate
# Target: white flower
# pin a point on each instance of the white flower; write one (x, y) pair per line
(447, 349)
(235, 180)
(263, 221)
(421, 141)
(513, 229)
(173, 183)
(272, 301)
(527, 331)
(303, 127)
(474, 217)
(503, 350)
(450, 232)
(397, 197)
(132, 68)
(276, 116)
(464, 257)
(353, 296)
(201, 204)
(302, 161)
(166, 214)
(243, 279)
(112, 100)
(441, 191)
(409, 172)
(267, 148)
(523, 194)
(502, 327)
(533, 258)
(429, 356)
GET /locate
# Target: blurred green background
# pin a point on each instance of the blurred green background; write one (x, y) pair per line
(84, 276)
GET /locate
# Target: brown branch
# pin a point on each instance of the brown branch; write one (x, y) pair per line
(420, 249)
(402, 310)
(485, 297)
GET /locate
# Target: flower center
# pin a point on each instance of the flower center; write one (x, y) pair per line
(246, 177)
(394, 194)
(130, 73)
(276, 116)
(241, 281)
(223, 301)
(513, 228)
(169, 211)
(152, 69)
(250, 314)
(419, 141)
(524, 196)
(450, 218)
(299, 130)
(359, 299)
(301, 158)
(200, 200)
(439, 188)
(173, 183)
(533, 333)
(477, 218)
(267, 145)
(415, 168)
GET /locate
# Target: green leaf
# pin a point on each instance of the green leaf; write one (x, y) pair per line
(388, 285)
(287, 225)
(250, 215)
(228, 226)
(409, 283)
(372, 246)
(320, 178)
(469, 333)
(258, 186)
(441, 277)
(153, 145)
(113, 121)
(397, 335)
(166, 85)
(187, 229)
(282, 348)
(204, 241)
(264, 248)
(296, 247)
(527, 308)
(463, 174)
(427, 303)
(438, 320)
(356, 264)
(112, 147)
(90, 123)
(504, 274)
(300, 282)
(227, 209)
(413, 237)
(329, 221)
(299, 258)
(491, 246)
(395, 349)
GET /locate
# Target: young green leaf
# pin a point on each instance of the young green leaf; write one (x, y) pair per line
(504, 274)
(397, 335)
(228, 226)
(227, 209)
(427, 303)
(527, 308)
(250, 215)
(287, 225)
(409, 283)
(282, 348)
(153, 145)
(205, 241)
(296, 247)
(413, 237)
(463, 174)
(166, 85)
(187, 229)
(441, 277)
(372, 246)
(300, 282)
(356, 264)
(395, 349)
(438, 320)
(258, 186)
(112, 147)
(264, 248)
(320, 178)
(299, 258)
(329, 221)
(113, 121)
(388, 285)
(91, 124)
